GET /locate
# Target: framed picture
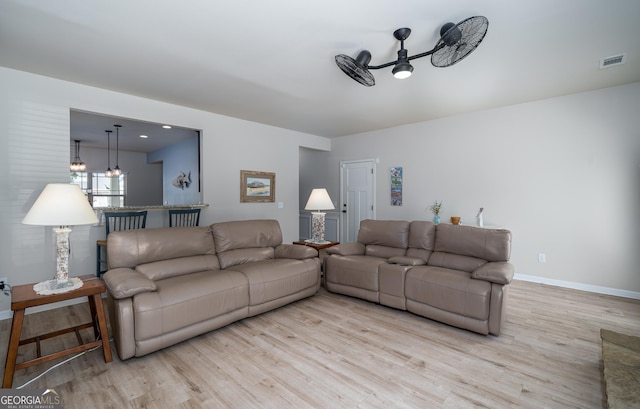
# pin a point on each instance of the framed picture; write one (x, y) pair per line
(396, 186)
(257, 186)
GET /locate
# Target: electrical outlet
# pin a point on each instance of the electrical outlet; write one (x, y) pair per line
(542, 258)
(4, 286)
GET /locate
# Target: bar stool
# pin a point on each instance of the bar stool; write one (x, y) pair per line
(184, 217)
(116, 221)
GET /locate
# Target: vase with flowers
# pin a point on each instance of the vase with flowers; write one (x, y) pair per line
(435, 209)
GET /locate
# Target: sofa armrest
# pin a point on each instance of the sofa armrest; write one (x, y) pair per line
(295, 251)
(347, 249)
(125, 283)
(499, 272)
(407, 261)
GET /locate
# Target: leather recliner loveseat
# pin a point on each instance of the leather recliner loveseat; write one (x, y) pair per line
(457, 275)
(172, 284)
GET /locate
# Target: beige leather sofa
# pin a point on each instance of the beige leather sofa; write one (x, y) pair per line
(171, 284)
(453, 274)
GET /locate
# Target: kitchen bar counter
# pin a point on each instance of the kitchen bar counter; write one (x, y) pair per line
(151, 207)
(158, 216)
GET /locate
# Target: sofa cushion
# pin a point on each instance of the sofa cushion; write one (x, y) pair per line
(449, 290)
(159, 270)
(129, 248)
(486, 244)
(236, 257)
(179, 303)
(422, 236)
(277, 278)
(373, 250)
(354, 271)
(407, 261)
(347, 249)
(246, 234)
(455, 261)
(389, 233)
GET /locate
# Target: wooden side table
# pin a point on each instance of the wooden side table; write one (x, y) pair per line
(23, 297)
(318, 246)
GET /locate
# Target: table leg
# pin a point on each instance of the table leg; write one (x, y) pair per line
(12, 351)
(96, 302)
(92, 309)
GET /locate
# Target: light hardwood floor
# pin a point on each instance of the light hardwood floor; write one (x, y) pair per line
(332, 351)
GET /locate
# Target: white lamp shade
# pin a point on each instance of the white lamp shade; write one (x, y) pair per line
(319, 200)
(61, 204)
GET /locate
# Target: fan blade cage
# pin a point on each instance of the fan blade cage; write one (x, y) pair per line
(472, 31)
(355, 70)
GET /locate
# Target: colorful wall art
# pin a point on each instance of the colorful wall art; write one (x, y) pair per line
(396, 186)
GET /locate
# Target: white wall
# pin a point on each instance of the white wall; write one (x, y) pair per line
(313, 174)
(180, 157)
(563, 174)
(34, 150)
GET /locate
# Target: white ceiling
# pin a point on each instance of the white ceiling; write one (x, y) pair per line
(273, 61)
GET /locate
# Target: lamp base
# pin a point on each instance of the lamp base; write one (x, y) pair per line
(54, 287)
(317, 227)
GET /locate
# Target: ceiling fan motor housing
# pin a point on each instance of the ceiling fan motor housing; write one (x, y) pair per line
(363, 58)
(450, 34)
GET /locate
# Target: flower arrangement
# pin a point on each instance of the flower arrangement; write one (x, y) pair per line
(436, 207)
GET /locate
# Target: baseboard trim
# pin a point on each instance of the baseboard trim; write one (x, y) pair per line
(580, 286)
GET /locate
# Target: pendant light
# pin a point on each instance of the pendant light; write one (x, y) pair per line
(117, 171)
(108, 173)
(77, 165)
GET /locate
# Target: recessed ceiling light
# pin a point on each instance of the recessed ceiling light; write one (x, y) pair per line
(144, 136)
(166, 126)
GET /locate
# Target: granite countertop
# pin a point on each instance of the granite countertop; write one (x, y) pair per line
(152, 207)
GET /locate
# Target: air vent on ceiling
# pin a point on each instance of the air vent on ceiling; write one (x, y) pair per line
(613, 61)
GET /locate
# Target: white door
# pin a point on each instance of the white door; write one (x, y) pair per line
(357, 181)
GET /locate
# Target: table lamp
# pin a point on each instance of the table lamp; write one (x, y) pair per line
(318, 200)
(61, 205)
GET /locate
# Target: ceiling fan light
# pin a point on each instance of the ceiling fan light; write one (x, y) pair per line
(402, 70)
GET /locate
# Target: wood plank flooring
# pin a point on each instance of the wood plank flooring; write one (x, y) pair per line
(333, 351)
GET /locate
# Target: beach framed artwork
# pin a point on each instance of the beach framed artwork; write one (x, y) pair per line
(257, 186)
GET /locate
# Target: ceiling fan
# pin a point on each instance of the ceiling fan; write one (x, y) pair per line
(456, 42)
